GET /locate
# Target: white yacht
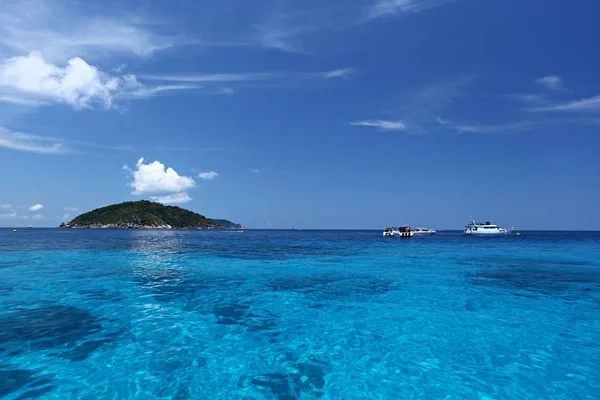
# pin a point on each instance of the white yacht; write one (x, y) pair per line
(484, 228)
(403, 232)
(424, 231)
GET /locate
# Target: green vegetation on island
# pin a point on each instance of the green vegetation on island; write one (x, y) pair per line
(146, 214)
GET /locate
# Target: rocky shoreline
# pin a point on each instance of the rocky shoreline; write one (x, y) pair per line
(114, 226)
(134, 226)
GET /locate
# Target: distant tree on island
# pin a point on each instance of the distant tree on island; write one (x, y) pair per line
(146, 214)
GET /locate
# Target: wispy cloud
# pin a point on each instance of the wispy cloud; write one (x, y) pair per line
(213, 78)
(391, 8)
(527, 98)
(499, 128)
(146, 92)
(551, 82)
(226, 90)
(591, 104)
(257, 171)
(8, 215)
(339, 73)
(248, 76)
(31, 143)
(21, 100)
(382, 124)
(71, 209)
(52, 145)
(420, 108)
(287, 28)
(5, 206)
(60, 29)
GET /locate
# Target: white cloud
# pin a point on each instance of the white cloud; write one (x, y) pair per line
(162, 185)
(9, 215)
(208, 175)
(77, 84)
(550, 82)
(591, 104)
(5, 205)
(256, 171)
(382, 124)
(36, 207)
(71, 209)
(388, 8)
(32, 80)
(31, 143)
(37, 216)
(172, 198)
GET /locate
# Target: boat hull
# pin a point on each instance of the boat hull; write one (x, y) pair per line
(484, 233)
(397, 234)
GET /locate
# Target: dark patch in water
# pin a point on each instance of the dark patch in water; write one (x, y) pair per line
(5, 289)
(12, 380)
(304, 282)
(546, 281)
(278, 384)
(230, 314)
(473, 305)
(105, 295)
(307, 380)
(310, 376)
(522, 262)
(329, 287)
(34, 394)
(50, 327)
(239, 314)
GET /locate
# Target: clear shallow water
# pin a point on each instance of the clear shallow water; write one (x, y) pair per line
(110, 314)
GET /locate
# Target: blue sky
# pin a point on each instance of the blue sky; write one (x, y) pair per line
(306, 114)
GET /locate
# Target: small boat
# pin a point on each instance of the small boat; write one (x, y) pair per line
(484, 228)
(424, 231)
(402, 231)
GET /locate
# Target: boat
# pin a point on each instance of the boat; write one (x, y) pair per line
(484, 228)
(402, 231)
(424, 231)
(388, 231)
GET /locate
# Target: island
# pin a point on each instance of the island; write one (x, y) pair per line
(146, 214)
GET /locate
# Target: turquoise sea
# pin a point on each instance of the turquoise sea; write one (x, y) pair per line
(188, 314)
